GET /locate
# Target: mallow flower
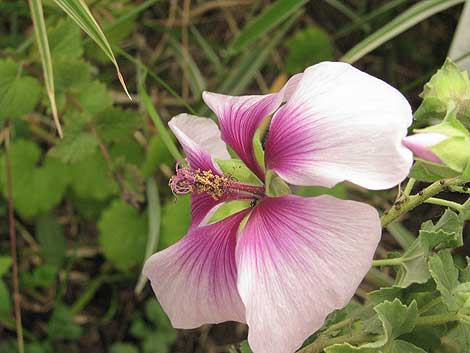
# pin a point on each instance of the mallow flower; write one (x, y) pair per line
(284, 263)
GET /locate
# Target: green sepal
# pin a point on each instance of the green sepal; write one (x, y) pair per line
(448, 88)
(275, 186)
(454, 152)
(228, 209)
(237, 169)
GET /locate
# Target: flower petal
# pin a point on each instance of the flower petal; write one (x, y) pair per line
(201, 206)
(340, 124)
(421, 143)
(200, 138)
(239, 117)
(299, 259)
(195, 279)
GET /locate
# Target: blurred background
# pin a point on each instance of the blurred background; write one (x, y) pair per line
(88, 207)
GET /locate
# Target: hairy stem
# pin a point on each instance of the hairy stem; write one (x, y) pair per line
(12, 231)
(413, 201)
(387, 262)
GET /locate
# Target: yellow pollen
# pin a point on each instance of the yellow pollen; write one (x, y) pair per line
(208, 182)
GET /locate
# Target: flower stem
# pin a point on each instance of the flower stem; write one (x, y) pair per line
(413, 201)
(322, 342)
(445, 203)
(409, 187)
(435, 320)
(388, 262)
(12, 231)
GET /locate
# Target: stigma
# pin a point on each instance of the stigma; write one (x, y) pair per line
(189, 180)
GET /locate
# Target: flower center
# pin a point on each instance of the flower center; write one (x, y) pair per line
(188, 180)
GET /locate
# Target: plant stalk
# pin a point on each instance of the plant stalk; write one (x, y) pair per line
(409, 203)
(12, 231)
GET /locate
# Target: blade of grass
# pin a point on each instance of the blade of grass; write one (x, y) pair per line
(401, 23)
(206, 47)
(244, 72)
(154, 215)
(460, 43)
(42, 41)
(344, 9)
(273, 15)
(366, 19)
(195, 77)
(162, 130)
(157, 78)
(79, 12)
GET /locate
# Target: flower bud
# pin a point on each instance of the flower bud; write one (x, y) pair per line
(420, 144)
(447, 143)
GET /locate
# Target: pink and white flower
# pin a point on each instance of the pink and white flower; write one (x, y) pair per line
(284, 263)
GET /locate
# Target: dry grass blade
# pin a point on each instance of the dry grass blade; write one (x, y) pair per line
(43, 47)
(81, 14)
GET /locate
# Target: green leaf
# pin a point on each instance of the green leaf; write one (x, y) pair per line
(42, 42)
(61, 325)
(448, 89)
(95, 98)
(65, 40)
(272, 15)
(413, 268)
(446, 276)
(19, 93)
(121, 347)
(123, 235)
(80, 13)
(307, 47)
(397, 318)
(71, 76)
(116, 124)
(176, 218)
(91, 179)
(5, 264)
(447, 232)
(77, 145)
(51, 238)
(35, 189)
(238, 170)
